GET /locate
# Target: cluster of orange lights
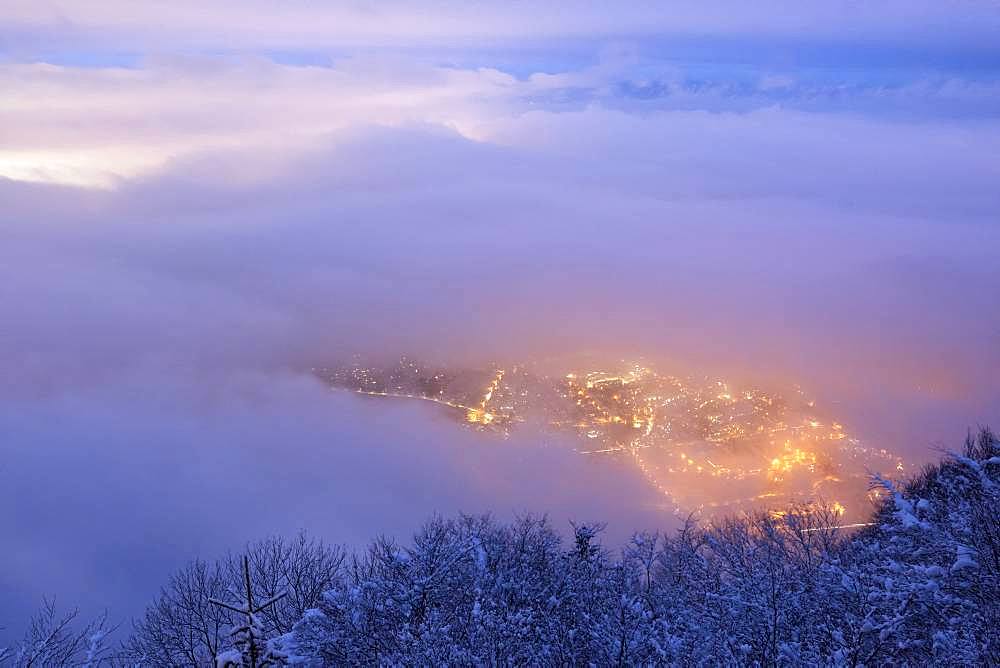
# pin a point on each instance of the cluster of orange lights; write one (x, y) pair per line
(799, 452)
(675, 429)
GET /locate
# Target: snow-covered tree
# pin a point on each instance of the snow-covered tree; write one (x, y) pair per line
(919, 586)
(56, 640)
(183, 627)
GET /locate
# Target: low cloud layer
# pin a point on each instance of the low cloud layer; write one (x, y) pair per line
(184, 237)
(129, 480)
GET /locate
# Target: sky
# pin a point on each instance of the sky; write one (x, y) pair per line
(202, 200)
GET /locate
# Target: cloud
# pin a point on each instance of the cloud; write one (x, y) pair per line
(129, 479)
(804, 255)
(375, 219)
(92, 126)
(97, 126)
(254, 219)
